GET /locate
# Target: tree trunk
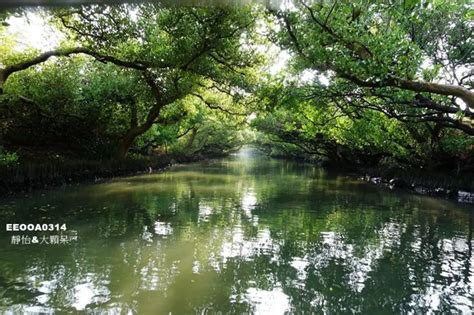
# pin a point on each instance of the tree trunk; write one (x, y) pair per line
(123, 147)
(436, 88)
(2, 80)
(127, 140)
(191, 139)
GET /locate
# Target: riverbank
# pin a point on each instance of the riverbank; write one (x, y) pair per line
(447, 185)
(443, 185)
(35, 175)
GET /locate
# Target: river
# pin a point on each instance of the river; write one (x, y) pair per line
(244, 234)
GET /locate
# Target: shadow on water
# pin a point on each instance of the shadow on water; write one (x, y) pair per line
(238, 235)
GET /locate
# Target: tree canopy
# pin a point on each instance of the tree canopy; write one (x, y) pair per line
(140, 60)
(367, 82)
(388, 80)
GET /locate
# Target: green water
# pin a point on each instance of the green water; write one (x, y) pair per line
(239, 235)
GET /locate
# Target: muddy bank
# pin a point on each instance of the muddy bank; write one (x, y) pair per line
(29, 176)
(454, 187)
(447, 185)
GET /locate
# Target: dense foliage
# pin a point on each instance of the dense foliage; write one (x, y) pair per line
(367, 83)
(123, 72)
(390, 82)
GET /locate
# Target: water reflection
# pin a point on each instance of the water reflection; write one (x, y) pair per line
(236, 236)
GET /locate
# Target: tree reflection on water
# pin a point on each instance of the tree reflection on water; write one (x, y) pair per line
(240, 235)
